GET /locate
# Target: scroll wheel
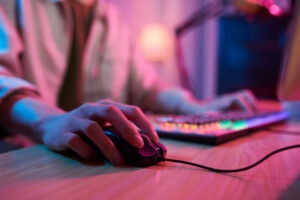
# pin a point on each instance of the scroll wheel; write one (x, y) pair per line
(150, 143)
(146, 139)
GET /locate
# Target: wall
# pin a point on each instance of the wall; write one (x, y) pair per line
(199, 44)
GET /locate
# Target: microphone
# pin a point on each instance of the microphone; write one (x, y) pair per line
(209, 10)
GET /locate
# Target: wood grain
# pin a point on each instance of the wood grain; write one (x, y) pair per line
(37, 173)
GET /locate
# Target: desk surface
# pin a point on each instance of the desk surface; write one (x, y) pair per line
(37, 173)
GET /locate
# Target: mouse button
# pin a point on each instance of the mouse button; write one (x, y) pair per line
(149, 145)
(147, 151)
(124, 147)
(157, 147)
(162, 148)
(146, 139)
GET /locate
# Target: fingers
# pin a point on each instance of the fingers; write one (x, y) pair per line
(76, 143)
(241, 100)
(95, 134)
(113, 115)
(87, 121)
(135, 115)
(246, 100)
(125, 118)
(251, 98)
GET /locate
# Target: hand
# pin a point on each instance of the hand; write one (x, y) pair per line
(241, 100)
(66, 131)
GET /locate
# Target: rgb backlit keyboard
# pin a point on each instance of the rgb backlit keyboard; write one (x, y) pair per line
(214, 128)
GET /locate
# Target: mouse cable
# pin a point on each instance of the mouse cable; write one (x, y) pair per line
(233, 170)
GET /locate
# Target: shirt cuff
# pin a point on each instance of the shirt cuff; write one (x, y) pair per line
(10, 85)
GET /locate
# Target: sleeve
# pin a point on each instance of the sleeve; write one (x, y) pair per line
(11, 47)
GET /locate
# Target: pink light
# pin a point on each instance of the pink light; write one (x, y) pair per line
(275, 10)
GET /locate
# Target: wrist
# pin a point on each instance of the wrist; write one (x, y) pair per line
(25, 114)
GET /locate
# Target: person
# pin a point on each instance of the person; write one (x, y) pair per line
(68, 68)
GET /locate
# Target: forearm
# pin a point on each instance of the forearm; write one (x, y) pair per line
(22, 114)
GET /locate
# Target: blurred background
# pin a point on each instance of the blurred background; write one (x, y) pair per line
(224, 45)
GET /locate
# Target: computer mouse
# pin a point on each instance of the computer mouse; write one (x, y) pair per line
(150, 154)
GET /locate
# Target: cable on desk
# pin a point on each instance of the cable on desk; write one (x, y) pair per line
(234, 170)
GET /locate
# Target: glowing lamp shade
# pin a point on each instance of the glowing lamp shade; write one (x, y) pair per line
(156, 42)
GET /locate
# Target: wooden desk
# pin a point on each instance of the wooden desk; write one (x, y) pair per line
(37, 173)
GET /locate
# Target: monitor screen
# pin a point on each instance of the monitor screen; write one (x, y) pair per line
(289, 86)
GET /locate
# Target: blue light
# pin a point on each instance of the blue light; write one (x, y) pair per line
(4, 44)
(21, 14)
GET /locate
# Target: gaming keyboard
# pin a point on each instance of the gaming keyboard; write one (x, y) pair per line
(214, 128)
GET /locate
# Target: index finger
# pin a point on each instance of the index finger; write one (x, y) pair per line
(248, 99)
(137, 117)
